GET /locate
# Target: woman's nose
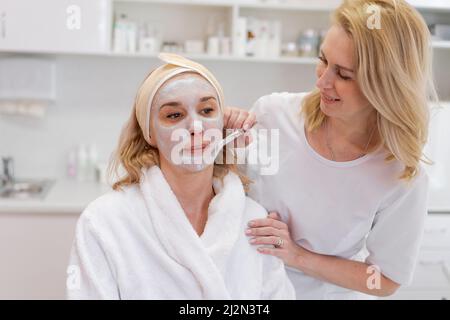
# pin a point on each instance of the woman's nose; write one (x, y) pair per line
(325, 79)
(196, 127)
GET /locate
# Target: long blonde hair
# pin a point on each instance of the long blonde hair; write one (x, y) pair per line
(134, 153)
(394, 72)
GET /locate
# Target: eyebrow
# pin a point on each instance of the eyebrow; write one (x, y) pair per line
(207, 98)
(337, 65)
(177, 104)
(170, 104)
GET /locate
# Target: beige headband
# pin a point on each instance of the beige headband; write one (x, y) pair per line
(175, 64)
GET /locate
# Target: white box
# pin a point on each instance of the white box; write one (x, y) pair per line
(194, 47)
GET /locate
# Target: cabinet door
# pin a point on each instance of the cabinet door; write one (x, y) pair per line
(55, 25)
(34, 254)
(437, 231)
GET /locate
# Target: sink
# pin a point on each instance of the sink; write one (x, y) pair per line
(26, 189)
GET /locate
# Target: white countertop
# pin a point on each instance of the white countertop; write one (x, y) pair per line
(439, 201)
(64, 196)
(71, 197)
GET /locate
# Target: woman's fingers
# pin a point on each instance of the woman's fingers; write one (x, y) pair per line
(265, 240)
(232, 119)
(268, 222)
(248, 138)
(264, 231)
(226, 116)
(236, 118)
(239, 122)
(271, 251)
(274, 215)
(249, 122)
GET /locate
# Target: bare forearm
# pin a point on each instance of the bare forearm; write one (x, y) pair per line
(346, 273)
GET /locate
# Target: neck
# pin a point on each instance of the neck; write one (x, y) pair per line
(354, 132)
(193, 190)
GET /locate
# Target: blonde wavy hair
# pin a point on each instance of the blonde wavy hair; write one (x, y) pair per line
(393, 71)
(134, 153)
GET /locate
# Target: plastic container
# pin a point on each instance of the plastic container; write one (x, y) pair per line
(82, 163)
(72, 164)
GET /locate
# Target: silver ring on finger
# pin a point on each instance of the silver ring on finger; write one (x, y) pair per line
(279, 243)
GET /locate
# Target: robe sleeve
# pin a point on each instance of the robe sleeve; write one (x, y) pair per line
(276, 284)
(89, 275)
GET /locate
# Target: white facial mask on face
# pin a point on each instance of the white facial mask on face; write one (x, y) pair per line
(187, 142)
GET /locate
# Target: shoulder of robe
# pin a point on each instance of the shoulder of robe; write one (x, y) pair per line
(113, 204)
(253, 210)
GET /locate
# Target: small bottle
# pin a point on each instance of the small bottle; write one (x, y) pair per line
(72, 165)
(92, 160)
(213, 46)
(131, 37)
(240, 38)
(120, 34)
(82, 163)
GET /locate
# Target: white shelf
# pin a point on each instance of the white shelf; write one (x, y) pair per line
(431, 5)
(318, 5)
(441, 44)
(206, 57)
(200, 57)
(236, 5)
(208, 3)
(307, 6)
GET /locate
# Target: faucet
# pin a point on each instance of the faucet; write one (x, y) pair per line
(8, 171)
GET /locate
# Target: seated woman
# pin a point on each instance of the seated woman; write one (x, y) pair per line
(173, 229)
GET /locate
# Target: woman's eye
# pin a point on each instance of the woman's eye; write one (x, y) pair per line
(344, 77)
(207, 110)
(322, 59)
(173, 116)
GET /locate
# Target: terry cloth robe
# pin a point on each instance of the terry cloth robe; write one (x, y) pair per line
(139, 244)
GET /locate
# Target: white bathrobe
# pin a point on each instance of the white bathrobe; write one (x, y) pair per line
(139, 244)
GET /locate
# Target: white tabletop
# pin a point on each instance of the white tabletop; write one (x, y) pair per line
(64, 196)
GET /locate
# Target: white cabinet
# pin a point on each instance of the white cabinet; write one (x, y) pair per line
(75, 26)
(34, 254)
(432, 274)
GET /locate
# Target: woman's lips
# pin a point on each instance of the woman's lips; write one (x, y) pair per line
(327, 99)
(201, 147)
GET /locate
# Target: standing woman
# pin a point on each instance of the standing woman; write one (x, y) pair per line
(350, 197)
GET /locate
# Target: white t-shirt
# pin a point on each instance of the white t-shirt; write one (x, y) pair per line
(356, 209)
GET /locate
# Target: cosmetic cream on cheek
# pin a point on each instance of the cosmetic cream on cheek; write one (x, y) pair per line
(183, 143)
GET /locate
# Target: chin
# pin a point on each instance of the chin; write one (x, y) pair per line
(327, 110)
(195, 168)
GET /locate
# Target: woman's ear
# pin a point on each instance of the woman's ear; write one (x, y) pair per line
(152, 140)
